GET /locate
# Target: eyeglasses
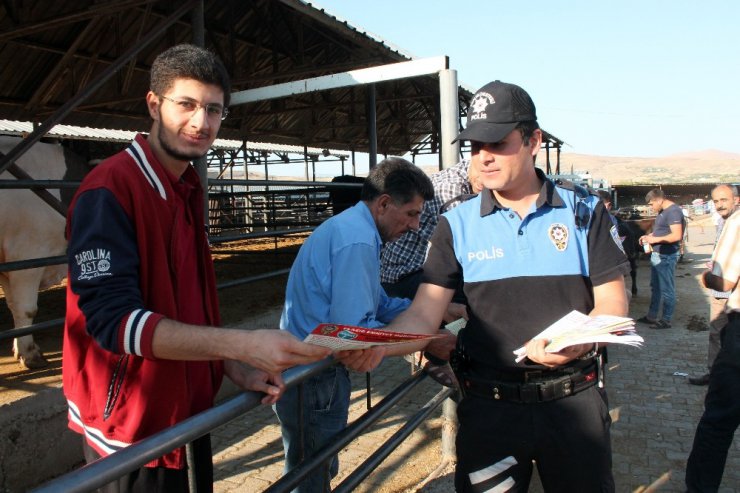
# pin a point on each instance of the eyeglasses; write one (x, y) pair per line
(581, 210)
(190, 107)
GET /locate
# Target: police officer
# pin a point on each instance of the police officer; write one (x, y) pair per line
(529, 251)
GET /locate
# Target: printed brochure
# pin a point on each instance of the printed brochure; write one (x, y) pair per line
(342, 337)
(578, 328)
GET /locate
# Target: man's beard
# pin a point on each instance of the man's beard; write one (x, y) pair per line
(172, 152)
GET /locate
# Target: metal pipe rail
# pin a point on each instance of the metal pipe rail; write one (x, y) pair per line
(42, 184)
(279, 222)
(38, 184)
(293, 477)
(110, 468)
(372, 462)
(62, 259)
(59, 322)
(30, 329)
(33, 263)
(281, 183)
(246, 280)
(259, 234)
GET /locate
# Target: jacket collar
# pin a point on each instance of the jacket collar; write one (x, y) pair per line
(156, 175)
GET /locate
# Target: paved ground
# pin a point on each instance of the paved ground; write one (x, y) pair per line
(655, 410)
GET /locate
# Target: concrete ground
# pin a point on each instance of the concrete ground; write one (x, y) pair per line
(655, 412)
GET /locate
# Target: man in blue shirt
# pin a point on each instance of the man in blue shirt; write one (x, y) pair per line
(401, 260)
(665, 241)
(336, 279)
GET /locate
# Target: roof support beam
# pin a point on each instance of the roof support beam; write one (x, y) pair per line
(54, 76)
(448, 110)
(372, 127)
(90, 13)
(70, 105)
(128, 72)
(393, 71)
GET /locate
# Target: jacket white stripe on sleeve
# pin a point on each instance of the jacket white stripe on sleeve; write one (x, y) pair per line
(132, 333)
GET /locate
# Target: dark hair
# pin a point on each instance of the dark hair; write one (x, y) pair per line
(398, 178)
(186, 61)
(605, 196)
(527, 128)
(655, 193)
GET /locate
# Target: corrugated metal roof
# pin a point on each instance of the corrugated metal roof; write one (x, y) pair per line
(9, 127)
(59, 49)
(360, 30)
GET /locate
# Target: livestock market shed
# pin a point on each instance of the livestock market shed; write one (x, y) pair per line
(301, 77)
(86, 63)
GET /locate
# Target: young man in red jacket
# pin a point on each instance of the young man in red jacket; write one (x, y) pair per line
(142, 350)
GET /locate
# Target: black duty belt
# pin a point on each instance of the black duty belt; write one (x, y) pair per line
(536, 386)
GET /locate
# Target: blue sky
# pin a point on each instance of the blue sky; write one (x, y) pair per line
(616, 78)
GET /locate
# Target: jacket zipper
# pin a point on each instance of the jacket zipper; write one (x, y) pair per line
(114, 388)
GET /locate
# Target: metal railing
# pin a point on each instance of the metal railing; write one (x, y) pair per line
(59, 322)
(222, 238)
(110, 468)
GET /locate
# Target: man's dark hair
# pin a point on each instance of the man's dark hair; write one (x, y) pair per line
(186, 61)
(655, 193)
(527, 128)
(398, 178)
(605, 196)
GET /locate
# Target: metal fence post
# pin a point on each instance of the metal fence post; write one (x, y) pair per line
(449, 430)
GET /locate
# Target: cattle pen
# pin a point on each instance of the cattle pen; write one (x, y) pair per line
(271, 210)
(308, 88)
(264, 251)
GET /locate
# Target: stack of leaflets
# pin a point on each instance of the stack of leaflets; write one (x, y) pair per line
(578, 328)
(456, 326)
(343, 337)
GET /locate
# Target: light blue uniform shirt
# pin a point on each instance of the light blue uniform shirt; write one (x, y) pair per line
(336, 277)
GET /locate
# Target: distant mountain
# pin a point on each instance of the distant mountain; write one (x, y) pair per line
(710, 166)
(708, 154)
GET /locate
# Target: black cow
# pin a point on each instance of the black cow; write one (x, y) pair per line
(631, 230)
(345, 197)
